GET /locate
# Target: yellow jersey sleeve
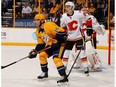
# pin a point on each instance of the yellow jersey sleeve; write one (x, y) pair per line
(52, 29)
(39, 38)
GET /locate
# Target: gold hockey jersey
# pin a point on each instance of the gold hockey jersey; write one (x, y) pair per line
(47, 35)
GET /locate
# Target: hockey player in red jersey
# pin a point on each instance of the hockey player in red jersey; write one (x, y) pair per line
(72, 21)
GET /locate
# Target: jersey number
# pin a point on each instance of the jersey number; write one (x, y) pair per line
(73, 25)
(45, 38)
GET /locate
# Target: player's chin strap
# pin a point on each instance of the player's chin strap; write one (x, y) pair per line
(2, 67)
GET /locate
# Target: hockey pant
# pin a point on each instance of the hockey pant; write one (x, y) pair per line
(78, 44)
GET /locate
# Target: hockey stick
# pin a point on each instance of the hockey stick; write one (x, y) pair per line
(75, 60)
(2, 67)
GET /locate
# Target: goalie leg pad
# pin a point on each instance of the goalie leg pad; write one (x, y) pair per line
(94, 60)
(91, 60)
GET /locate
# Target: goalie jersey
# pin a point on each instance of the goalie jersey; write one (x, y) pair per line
(91, 22)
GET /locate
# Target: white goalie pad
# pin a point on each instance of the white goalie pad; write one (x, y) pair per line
(100, 29)
(92, 55)
(89, 48)
(86, 36)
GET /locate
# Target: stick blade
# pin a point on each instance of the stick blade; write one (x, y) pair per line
(2, 67)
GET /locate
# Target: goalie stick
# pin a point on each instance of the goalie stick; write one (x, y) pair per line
(2, 67)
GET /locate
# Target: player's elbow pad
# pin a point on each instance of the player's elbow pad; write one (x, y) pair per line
(61, 37)
(89, 31)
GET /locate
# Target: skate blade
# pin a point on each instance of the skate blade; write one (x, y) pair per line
(76, 67)
(63, 84)
(96, 70)
(87, 74)
(44, 79)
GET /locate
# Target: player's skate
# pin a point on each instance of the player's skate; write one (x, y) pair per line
(96, 68)
(63, 81)
(86, 71)
(97, 65)
(43, 75)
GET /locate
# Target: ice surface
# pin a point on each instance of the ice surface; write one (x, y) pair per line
(25, 72)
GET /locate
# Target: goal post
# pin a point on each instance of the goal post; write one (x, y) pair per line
(109, 36)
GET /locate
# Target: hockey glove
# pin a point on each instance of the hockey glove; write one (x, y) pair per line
(32, 54)
(89, 31)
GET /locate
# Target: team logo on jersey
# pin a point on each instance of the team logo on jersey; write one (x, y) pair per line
(45, 38)
(73, 25)
(57, 29)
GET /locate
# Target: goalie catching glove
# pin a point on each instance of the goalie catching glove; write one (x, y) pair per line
(32, 54)
(100, 29)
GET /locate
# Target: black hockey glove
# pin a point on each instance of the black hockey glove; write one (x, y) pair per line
(89, 31)
(32, 54)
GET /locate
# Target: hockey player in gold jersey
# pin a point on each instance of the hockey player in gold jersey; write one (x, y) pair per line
(49, 34)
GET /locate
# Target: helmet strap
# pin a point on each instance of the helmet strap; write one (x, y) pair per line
(70, 14)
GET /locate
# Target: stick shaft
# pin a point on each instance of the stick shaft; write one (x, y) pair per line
(2, 67)
(76, 59)
(74, 62)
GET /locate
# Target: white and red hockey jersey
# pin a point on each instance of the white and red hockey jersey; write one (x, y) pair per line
(73, 24)
(93, 21)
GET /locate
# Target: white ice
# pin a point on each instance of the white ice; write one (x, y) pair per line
(25, 72)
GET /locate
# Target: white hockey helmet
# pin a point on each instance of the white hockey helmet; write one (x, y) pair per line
(70, 4)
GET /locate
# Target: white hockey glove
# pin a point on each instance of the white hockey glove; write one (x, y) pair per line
(100, 29)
